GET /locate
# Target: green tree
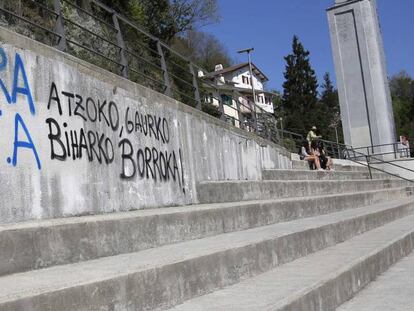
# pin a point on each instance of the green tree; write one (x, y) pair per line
(167, 18)
(299, 90)
(402, 92)
(277, 104)
(329, 115)
(203, 49)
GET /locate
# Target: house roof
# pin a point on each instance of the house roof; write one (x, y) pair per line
(256, 71)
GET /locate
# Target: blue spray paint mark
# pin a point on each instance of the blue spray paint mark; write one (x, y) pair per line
(25, 90)
(23, 144)
(16, 89)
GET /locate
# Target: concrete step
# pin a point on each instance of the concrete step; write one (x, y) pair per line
(166, 276)
(40, 244)
(232, 191)
(320, 175)
(391, 291)
(304, 165)
(300, 165)
(350, 168)
(323, 280)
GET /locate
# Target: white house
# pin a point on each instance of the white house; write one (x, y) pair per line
(232, 88)
(238, 76)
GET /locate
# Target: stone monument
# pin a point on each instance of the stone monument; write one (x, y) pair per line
(361, 74)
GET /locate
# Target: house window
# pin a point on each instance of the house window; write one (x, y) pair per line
(226, 100)
(209, 98)
(247, 80)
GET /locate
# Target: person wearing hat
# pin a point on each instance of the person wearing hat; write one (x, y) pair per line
(312, 135)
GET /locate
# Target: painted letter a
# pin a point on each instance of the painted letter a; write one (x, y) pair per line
(18, 122)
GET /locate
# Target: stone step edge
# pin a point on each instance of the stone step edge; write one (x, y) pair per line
(162, 211)
(230, 191)
(391, 290)
(362, 221)
(333, 289)
(393, 251)
(323, 172)
(337, 175)
(236, 181)
(58, 237)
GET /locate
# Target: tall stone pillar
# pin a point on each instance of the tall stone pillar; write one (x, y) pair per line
(361, 73)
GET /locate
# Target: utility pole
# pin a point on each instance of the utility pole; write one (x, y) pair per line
(248, 51)
(281, 127)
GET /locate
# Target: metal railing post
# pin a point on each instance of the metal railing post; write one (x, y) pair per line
(167, 83)
(121, 43)
(268, 130)
(395, 150)
(221, 107)
(254, 114)
(369, 166)
(239, 113)
(195, 85)
(338, 150)
(60, 27)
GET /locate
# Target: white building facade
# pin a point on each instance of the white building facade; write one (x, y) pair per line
(239, 77)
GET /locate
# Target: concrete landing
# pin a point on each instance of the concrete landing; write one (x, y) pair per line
(391, 291)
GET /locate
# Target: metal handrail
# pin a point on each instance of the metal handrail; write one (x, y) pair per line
(381, 161)
(90, 14)
(395, 146)
(157, 60)
(30, 22)
(368, 159)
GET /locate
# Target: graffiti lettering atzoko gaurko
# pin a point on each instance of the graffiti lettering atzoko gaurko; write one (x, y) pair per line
(87, 109)
(20, 86)
(147, 124)
(102, 146)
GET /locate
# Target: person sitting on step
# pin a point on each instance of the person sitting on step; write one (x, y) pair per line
(319, 150)
(307, 154)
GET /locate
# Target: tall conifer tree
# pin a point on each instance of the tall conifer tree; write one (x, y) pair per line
(330, 115)
(299, 90)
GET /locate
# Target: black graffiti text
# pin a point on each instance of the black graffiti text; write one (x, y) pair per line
(88, 109)
(150, 163)
(147, 124)
(77, 144)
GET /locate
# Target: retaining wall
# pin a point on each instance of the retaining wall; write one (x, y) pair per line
(76, 139)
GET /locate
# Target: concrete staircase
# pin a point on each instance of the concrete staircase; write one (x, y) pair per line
(297, 240)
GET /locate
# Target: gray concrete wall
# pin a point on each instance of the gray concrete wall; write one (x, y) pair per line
(361, 73)
(71, 142)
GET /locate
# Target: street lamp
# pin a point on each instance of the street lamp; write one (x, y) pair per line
(281, 127)
(248, 51)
